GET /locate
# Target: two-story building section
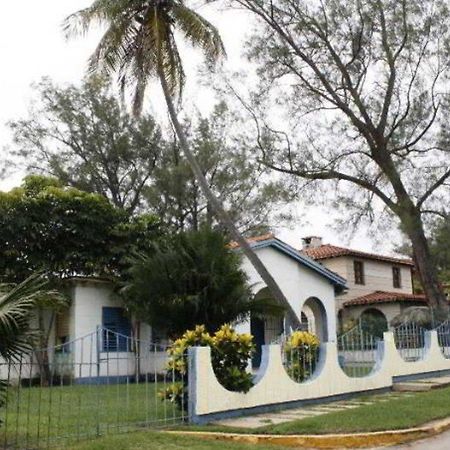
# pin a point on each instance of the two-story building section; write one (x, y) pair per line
(377, 284)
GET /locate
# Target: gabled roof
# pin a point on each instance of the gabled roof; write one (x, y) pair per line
(269, 240)
(327, 251)
(385, 297)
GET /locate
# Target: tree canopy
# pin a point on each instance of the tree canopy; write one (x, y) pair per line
(252, 198)
(86, 138)
(64, 231)
(440, 248)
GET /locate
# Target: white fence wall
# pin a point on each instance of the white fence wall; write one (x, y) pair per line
(209, 399)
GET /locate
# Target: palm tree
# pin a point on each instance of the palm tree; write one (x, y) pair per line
(17, 305)
(139, 44)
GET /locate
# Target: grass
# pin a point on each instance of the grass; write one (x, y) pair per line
(65, 413)
(384, 414)
(161, 441)
(392, 414)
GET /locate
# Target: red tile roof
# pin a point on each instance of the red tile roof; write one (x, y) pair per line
(385, 297)
(327, 251)
(264, 237)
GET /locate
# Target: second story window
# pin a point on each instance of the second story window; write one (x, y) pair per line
(397, 277)
(358, 267)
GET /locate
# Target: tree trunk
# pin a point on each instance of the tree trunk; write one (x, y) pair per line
(221, 214)
(411, 221)
(426, 268)
(42, 353)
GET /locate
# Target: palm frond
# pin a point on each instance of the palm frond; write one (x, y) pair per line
(199, 32)
(16, 307)
(139, 42)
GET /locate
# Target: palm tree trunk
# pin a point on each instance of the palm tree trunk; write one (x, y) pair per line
(221, 214)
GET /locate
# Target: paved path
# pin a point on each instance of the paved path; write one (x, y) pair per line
(289, 415)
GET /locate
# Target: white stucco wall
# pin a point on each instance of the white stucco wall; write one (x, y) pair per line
(298, 283)
(89, 298)
(274, 386)
(377, 274)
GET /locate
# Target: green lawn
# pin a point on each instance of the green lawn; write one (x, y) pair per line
(385, 413)
(73, 412)
(160, 441)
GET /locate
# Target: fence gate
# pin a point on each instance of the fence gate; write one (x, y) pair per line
(357, 352)
(99, 384)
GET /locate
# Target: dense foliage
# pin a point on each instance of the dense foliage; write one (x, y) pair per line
(230, 353)
(189, 279)
(64, 231)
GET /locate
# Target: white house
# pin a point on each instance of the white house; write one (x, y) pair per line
(94, 338)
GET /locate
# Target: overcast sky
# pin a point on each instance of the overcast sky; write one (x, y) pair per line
(32, 46)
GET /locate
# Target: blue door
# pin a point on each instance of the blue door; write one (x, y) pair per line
(257, 330)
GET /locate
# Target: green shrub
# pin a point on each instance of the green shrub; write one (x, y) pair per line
(230, 353)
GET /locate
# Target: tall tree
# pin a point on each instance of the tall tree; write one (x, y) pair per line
(367, 82)
(138, 45)
(230, 165)
(84, 137)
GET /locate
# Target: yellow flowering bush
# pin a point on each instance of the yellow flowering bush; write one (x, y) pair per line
(301, 351)
(230, 352)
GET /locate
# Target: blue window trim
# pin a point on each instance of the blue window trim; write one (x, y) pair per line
(116, 332)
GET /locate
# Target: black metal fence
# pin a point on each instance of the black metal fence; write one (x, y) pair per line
(99, 384)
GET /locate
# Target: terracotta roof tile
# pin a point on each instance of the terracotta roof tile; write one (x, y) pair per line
(332, 251)
(264, 237)
(385, 297)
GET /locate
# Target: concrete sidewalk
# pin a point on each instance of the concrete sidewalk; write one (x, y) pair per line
(290, 415)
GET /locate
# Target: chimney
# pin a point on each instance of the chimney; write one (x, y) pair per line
(311, 242)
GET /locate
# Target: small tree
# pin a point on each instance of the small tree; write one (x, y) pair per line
(17, 306)
(191, 278)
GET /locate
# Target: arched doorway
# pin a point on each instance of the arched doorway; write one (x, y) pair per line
(373, 322)
(265, 330)
(316, 315)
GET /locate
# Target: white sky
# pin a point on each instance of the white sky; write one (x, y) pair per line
(32, 45)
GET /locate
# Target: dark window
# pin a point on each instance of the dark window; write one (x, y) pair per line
(359, 272)
(116, 330)
(397, 277)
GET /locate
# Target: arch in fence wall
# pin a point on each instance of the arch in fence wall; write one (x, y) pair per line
(374, 322)
(315, 311)
(265, 330)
